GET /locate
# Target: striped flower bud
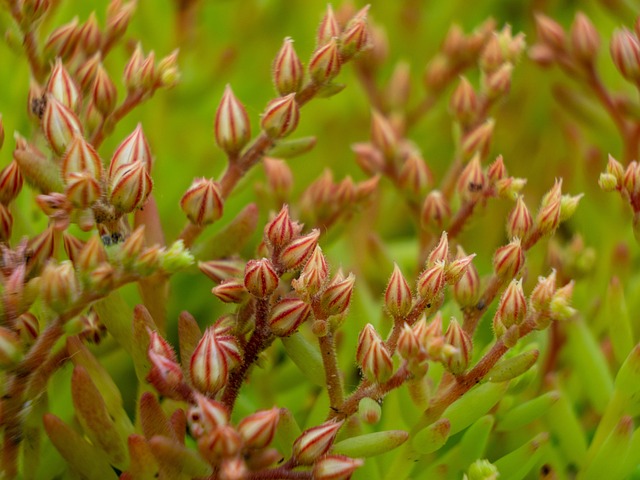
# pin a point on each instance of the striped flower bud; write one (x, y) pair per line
(280, 231)
(90, 37)
(118, 17)
(456, 269)
(232, 127)
(415, 177)
(160, 346)
(435, 210)
(165, 375)
(328, 28)
(211, 361)
(519, 222)
(86, 72)
(260, 278)
(167, 70)
(466, 291)
(324, 65)
(6, 223)
(335, 467)
(287, 71)
(206, 415)
(397, 296)
(81, 157)
(315, 442)
(508, 259)
(280, 117)
(91, 255)
(279, 177)
(133, 149)
(220, 270)
(60, 125)
(314, 275)
(429, 334)
(133, 69)
(62, 87)
(478, 140)
(129, 187)
(368, 158)
(585, 41)
(542, 293)
(148, 75)
(464, 103)
(550, 32)
(512, 307)
(257, 430)
(43, 246)
(548, 217)
(408, 343)
(560, 305)
(287, 315)
(498, 83)
(355, 38)
(440, 252)
(63, 40)
(457, 360)
(373, 357)
(27, 328)
(335, 299)
(82, 189)
(33, 10)
(431, 281)
(72, 246)
(60, 287)
(496, 171)
(104, 92)
(231, 291)
(221, 442)
(295, 254)
(202, 202)
(383, 135)
(10, 183)
(625, 52)
(472, 180)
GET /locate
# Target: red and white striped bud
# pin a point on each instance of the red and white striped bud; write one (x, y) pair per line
(431, 281)
(335, 299)
(512, 307)
(397, 296)
(72, 246)
(279, 177)
(440, 252)
(560, 305)
(336, 467)
(33, 10)
(207, 415)
(383, 135)
(542, 293)
(60, 125)
(165, 375)
(281, 116)
(10, 182)
(28, 328)
(212, 359)
(11, 348)
(148, 74)
(496, 171)
(314, 275)
(510, 187)
(287, 70)
(280, 231)
(399, 86)
(585, 41)
(118, 17)
(82, 189)
(519, 222)
(257, 430)
(287, 315)
(160, 346)
(455, 270)
(616, 169)
(202, 202)
(345, 192)
(91, 255)
(368, 157)
(408, 343)
(104, 92)
(508, 259)
(328, 28)
(467, 290)
(435, 210)
(315, 442)
(220, 270)
(354, 39)
(86, 72)
(81, 157)
(472, 181)
(90, 35)
(631, 179)
(260, 278)
(550, 33)
(63, 40)
(43, 246)
(129, 187)
(60, 287)
(6, 223)
(236, 467)
(231, 127)
(498, 84)
(625, 52)
(464, 103)
(62, 87)
(430, 335)
(478, 140)
(548, 217)
(295, 254)
(457, 360)
(231, 291)
(373, 357)
(221, 442)
(133, 149)
(367, 189)
(167, 71)
(415, 176)
(133, 69)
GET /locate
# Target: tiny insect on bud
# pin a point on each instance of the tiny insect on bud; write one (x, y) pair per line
(335, 299)
(104, 93)
(315, 442)
(440, 252)
(287, 70)
(373, 357)
(415, 176)
(328, 28)
(280, 117)
(625, 52)
(63, 40)
(82, 189)
(260, 278)
(550, 33)
(431, 281)
(335, 467)
(133, 149)
(129, 187)
(435, 210)
(508, 259)
(383, 135)
(202, 202)
(257, 430)
(295, 254)
(519, 222)
(457, 360)
(60, 287)
(464, 102)
(397, 296)
(10, 182)
(231, 291)
(287, 315)
(232, 127)
(60, 125)
(62, 87)
(212, 359)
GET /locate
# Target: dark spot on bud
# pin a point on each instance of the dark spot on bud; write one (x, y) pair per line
(480, 305)
(475, 187)
(38, 105)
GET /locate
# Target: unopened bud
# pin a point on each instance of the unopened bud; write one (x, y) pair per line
(231, 291)
(314, 275)
(478, 140)
(280, 231)
(550, 32)
(165, 375)
(325, 62)
(257, 430)
(498, 83)
(104, 93)
(167, 71)
(281, 117)
(220, 270)
(133, 69)
(72, 246)
(82, 189)
(6, 223)
(464, 102)
(133, 149)
(431, 281)
(397, 296)
(383, 135)
(625, 52)
(585, 41)
(279, 177)
(232, 127)
(440, 252)
(369, 158)
(295, 254)
(607, 182)
(414, 177)
(60, 287)
(472, 181)
(408, 343)
(10, 182)
(211, 361)
(315, 442)
(81, 157)
(508, 259)
(328, 28)
(568, 206)
(374, 358)
(435, 210)
(28, 328)
(148, 75)
(548, 217)
(287, 315)
(455, 270)
(221, 442)
(62, 87)
(129, 187)
(512, 307)
(60, 125)
(355, 38)
(118, 17)
(496, 171)
(615, 168)
(336, 297)
(260, 278)
(90, 36)
(63, 40)
(631, 179)
(467, 290)
(91, 255)
(335, 467)
(11, 349)
(542, 293)
(202, 202)
(519, 222)
(457, 360)
(560, 305)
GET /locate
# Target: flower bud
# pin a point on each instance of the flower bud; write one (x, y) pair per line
(279, 177)
(60, 287)
(472, 181)
(129, 187)
(133, 69)
(82, 189)
(429, 334)
(550, 32)
(519, 222)
(383, 135)
(325, 63)
(220, 270)
(81, 157)
(86, 72)
(607, 182)
(11, 350)
(464, 104)
(431, 281)
(625, 52)
(585, 41)
(221, 442)
(456, 269)
(336, 297)
(568, 206)
(72, 246)
(435, 210)
(498, 83)
(91, 255)
(118, 17)
(10, 183)
(354, 39)
(133, 149)
(287, 315)
(368, 157)
(408, 343)
(440, 252)
(457, 360)
(42, 247)
(560, 305)
(328, 28)
(33, 10)
(60, 125)
(467, 290)
(314, 275)
(415, 177)
(616, 169)
(631, 179)
(548, 217)
(231, 291)
(295, 254)
(257, 430)
(478, 140)
(63, 40)
(202, 202)
(28, 328)
(280, 231)
(508, 259)
(287, 71)
(90, 36)
(315, 442)
(373, 357)
(281, 117)
(496, 171)
(207, 415)
(211, 361)
(260, 278)
(165, 375)
(62, 87)
(160, 346)
(512, 307)
(148, 75)
(397, 296)
(6, 223)
(104, 93)
(542, 293)
(335, 467)
(232, 128)
(510, 187)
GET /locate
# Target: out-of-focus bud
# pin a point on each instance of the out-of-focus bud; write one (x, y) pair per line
(408, 343)
(221, 442)
(129, 187)
(585, 41)
(335, 467)
(62, 87)
(383, 135)
(479, 139)
(374, 358)
(568, 206)
(415, 177)
(431, 281)
(133, 149)
(6, 223)
(328, 28)
(354, 39)
(279, 177)
(455, 42)
(482, 470)
(625, 52)
(508, 259)
(519, 222)
(457, 359)
(132, 246)
(33, 10)
(548, 217)
(91, 255)
(560, 305)
(492, 55)
(542, 293)
(86, 72)
(325, 63)
(211, 361)
(337, 296)
(430, 336)
(464, 102)
(314, 275)
(27, 327)
(148, 74)
(512, 308)
(438, 73)
(118, 17)
(72, 246)
(369, 158)
(472, 181)
(90, 37)
(315, 442)
(435, 210)
(104, 92)
(287, 315)
(43, 246)
(60, 125)
(455, 270)
(496, 171)
(397, 296)
(260, 278)
(231, 291)
(165, 375)
(207, 415)
(607, 182)
(202, 202)
(550, 33)
(82, 189)
(280, 231)
(467, 290)
(498, 83)
(220, 270)
(281, 116)
(440, 252)
(287, 70)
(81, 157)
(63, 40)
(133, 69)
(295, 254)
(167, 71)
(631, 179)
(10, 183)
(510, 187)
(257, 430)
(616, 169)
(235, 467)
(232, 127)
(60, 287)
(10, 348)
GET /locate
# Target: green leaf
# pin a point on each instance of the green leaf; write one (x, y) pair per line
(371, 444)
(512, 367)
(433, 437)
(306, 356)
(527, 412)
(232, 237)
(116, 315)
(292, 148)
(177, 460)
(517, 464)
(330, 89)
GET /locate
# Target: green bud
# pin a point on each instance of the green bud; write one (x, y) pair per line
(176, 258)
(517, 464)
(369, 411)
(527, 412)
(482, 470)
(371, 444)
